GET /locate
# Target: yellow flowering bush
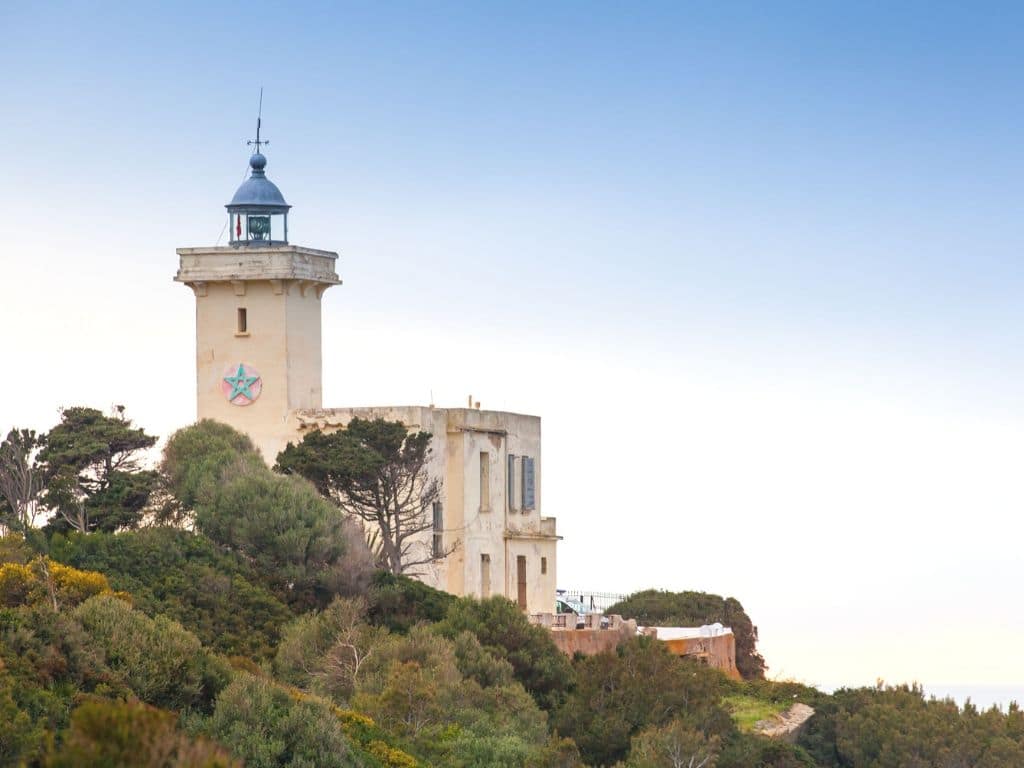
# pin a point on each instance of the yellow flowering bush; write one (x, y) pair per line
(27, 584)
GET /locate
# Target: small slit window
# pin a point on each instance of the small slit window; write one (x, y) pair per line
(544, 565)
(243, 320)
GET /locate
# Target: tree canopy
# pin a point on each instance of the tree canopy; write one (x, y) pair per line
(298, 541)
(377, 472)
(92, 468)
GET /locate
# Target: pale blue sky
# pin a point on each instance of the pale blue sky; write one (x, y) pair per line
(758, 268)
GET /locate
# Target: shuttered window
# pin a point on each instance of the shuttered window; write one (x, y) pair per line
(438, 530)
(511, 482)
(529, 484)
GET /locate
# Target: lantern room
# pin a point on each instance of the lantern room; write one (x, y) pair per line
(258, 214)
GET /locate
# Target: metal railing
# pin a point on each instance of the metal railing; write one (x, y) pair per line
(594, 601)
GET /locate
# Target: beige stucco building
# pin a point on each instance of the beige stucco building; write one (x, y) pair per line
(259, 369)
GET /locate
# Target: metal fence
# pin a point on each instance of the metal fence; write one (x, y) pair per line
(595, 601)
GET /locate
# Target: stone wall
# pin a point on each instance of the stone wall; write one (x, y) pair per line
(591, 640)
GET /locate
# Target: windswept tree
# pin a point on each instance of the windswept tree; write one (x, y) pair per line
(377, 472)
(21, 481)
(93, 471)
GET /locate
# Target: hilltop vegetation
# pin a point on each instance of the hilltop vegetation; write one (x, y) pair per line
(232, 616)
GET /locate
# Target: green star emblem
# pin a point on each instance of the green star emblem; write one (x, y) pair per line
(240, 384)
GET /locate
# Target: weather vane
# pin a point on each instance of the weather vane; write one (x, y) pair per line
(259, 117)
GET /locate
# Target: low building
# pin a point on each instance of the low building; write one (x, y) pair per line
(595, 633)
(259, 369)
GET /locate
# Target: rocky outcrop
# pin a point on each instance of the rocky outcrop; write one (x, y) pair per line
(786, 725)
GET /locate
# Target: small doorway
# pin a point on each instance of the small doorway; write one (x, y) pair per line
(521, 580)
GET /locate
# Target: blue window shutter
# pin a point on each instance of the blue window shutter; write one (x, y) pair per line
(529, 488)
(511, 482)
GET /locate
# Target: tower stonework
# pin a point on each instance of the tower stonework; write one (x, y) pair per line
(258, 308)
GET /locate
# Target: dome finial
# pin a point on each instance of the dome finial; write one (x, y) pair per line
(258, 214)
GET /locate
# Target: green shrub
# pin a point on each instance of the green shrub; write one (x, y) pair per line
(107, 734)
(184, 575)
(501, 628)
(162, 663)
(262, 724)
(399, 603)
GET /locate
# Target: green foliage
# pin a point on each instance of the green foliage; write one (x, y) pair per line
(14, 549)
(92, 472)
(891, 727)
(376, 471)
(747, 751)
(373, 741)
(748, 711)
(692, 609)
(672, 745)
(21, 738)
(505, 632)
(158, 660)
(640, 685)
(184, 576)
(296, 540)
(324, 652)
(106, 734)
(413, 687)
(262, 724)
(21, 480)
(195, 458)
(398, 602)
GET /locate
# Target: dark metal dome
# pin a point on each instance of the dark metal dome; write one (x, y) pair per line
(258, 194)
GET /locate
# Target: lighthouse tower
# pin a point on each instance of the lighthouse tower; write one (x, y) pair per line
(258, 356)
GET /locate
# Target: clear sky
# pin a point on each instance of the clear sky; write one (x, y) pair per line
(758, 268)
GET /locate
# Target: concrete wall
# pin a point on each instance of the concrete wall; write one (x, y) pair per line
(590, 642)
(718, 651)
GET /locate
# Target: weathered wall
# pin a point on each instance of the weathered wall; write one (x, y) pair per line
(590, 642)
(718, 651)
(478, 523)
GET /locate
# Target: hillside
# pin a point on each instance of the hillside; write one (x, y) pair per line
(246, 625)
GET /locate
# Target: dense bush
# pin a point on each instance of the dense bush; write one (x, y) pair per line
(412, 685)
(897, 726)
(619, 694)
(159, 661)
(183, 575)
(108, 733)
(692, 609)
(399, 602)
(505, 631)
(297, 540)
(261, 723)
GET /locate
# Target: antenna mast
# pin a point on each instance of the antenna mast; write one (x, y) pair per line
(259, 118)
